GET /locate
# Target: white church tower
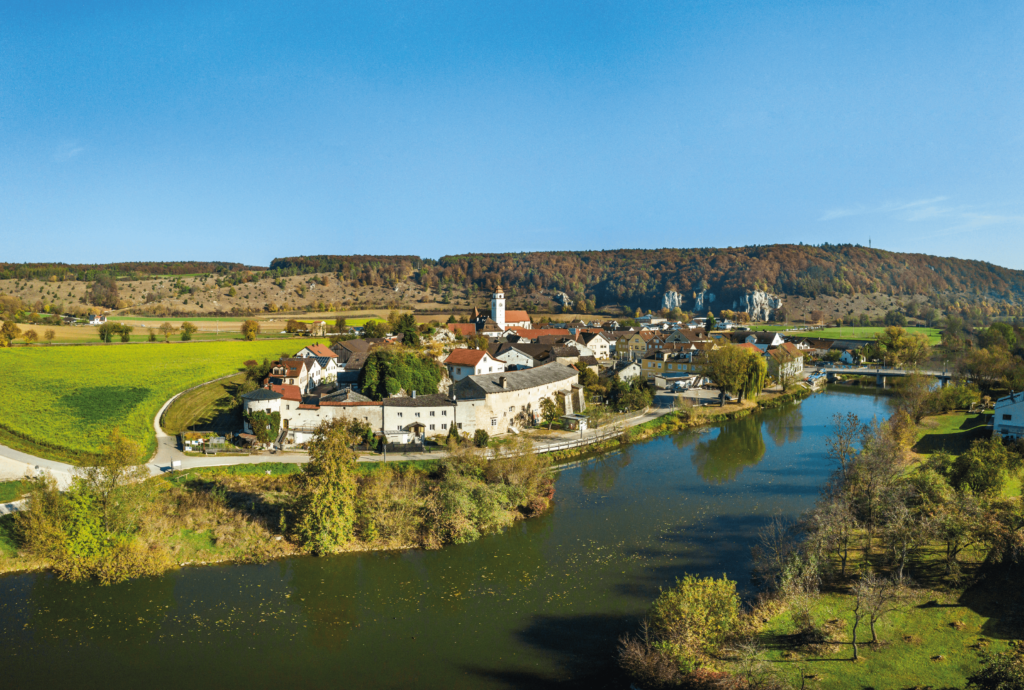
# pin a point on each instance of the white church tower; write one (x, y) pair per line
(498, 307)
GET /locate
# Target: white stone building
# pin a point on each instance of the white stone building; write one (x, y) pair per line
(1008, 419)
(463, 362)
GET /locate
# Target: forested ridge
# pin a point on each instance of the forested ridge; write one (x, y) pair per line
(127, 269)
(641, 276)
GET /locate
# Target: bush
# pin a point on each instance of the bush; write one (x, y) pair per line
(481, 438)
(692, 619)
(1003, 671)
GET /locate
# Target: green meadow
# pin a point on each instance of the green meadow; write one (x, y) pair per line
(62, 402)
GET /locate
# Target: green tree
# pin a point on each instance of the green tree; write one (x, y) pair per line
(340, 326)
(548, 411)
(692, 619)
(250, 329)
(265, 425)
(728, 368)
(409, 329)
(1003, 671)
(388, 370)
(984, 467)
(326, 506)
(117, 482)
(900, 348)
(375, 329)
(481, 438)
(187, 329)
(711, 321)
(166, 328)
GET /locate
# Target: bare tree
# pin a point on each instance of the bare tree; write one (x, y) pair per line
(904, 532)
(877, 597)
(842, 444)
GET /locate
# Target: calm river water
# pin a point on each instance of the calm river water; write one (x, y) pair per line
(538, 606)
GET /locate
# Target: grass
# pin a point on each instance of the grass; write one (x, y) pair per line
(868, 333)
(953, 432)
(8, 543)
(62, 403)
(275, 469)
(209, 408)
(13, 490)
(926, 645)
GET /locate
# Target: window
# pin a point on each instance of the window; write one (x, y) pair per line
(494, 421)
(431, 413)
(417, 414)
(444, 426)
(431, 427)
(1007, 417)
(399, 414)
(511, 408)
(460, 425)
(444, 413)
(288, 407)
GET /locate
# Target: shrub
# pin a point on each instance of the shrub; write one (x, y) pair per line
(481, 438)
(1003, 671)
(326, 505)
(692, 619)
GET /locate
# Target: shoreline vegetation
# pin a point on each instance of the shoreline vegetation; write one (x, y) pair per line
(255, 513)
(906, 574)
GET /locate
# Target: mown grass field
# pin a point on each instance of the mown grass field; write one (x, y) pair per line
(867, 333)
(206, 408)
(62, 402)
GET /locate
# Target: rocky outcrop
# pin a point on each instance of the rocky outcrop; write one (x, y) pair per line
(703, 301)
(759, 304)
(563, 299)
(671, 300)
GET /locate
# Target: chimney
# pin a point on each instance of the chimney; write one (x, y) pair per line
(414, 393)
(503, 382)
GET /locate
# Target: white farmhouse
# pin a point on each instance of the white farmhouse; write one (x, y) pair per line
(462, 363)
(1009, 417)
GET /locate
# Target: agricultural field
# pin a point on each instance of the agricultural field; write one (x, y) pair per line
(62, 402)
(868, 333)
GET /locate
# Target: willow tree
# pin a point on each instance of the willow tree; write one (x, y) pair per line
(728, 368)
(757, 370)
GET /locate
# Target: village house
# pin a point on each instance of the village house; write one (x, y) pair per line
(462, 329)
(598, 344)
(317, 350)
(624, 371)
(462, 363)
(851, 357)
(416, 418)
(1008, 420)
(785, 362)
(634, 345)
(498, 402)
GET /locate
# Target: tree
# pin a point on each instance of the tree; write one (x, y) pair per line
(407, 326)
(1003, 671)
(984, 468)
(108, 330)
(481, 438)
(842, 444)
(264, 425)
(152, 335)
(876, 597)
(817, 317)
(187, 329)
(757, 370)
(728, 368)
(375, 329)
(389, 370)
(49, 335)
(894, 318)
(694, 617)
(548, 411)
(31, 336)
(117, 483)
(326, 505)
(340, 326)
(250, 329)
(900, 347)
(166, 328)
(126, 332)
(103, 292)
(10, 331)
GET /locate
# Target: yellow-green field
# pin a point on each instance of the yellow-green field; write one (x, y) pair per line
(866, 333)
(62, 402)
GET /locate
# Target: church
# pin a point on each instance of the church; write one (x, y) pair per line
(500, 319)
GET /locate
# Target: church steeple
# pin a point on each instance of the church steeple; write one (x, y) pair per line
(498, 307)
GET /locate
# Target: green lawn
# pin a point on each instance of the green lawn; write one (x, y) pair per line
(62, 402)
(953, 432)
(13, 490)
(926, 645)
(866, 333)
(209, 408)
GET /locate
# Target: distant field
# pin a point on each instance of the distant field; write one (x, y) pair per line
(62, 402)
(868, 333)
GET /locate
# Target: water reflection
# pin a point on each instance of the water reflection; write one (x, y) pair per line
(598, 476)
(738, 444)
(784, 425)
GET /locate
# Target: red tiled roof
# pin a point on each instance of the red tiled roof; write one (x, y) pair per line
(516, 315)
(288, 392)
(321, 350)
(749, 346)
(465, 357)
(532, 333)
(463, 329)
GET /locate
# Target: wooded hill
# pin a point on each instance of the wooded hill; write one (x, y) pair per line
(641, 276)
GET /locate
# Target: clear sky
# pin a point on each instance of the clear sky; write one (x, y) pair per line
(248, 130)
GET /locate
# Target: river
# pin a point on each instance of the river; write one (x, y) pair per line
(540, 605)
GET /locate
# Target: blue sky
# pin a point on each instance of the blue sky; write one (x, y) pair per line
(244, 131)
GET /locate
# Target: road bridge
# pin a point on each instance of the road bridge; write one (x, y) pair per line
(881, 374)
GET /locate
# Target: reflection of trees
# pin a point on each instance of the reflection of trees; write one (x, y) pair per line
(684, 439)
(784, 424)
(739, 444)
(598, 476)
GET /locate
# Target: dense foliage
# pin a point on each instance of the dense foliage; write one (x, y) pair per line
(128, 269)
(389, 370)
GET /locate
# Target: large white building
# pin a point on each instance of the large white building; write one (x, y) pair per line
(1009, 417)
(463, 362)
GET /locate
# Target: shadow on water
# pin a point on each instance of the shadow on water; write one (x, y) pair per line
(573, 643)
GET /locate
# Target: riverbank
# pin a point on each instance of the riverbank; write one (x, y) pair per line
(243, 513)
